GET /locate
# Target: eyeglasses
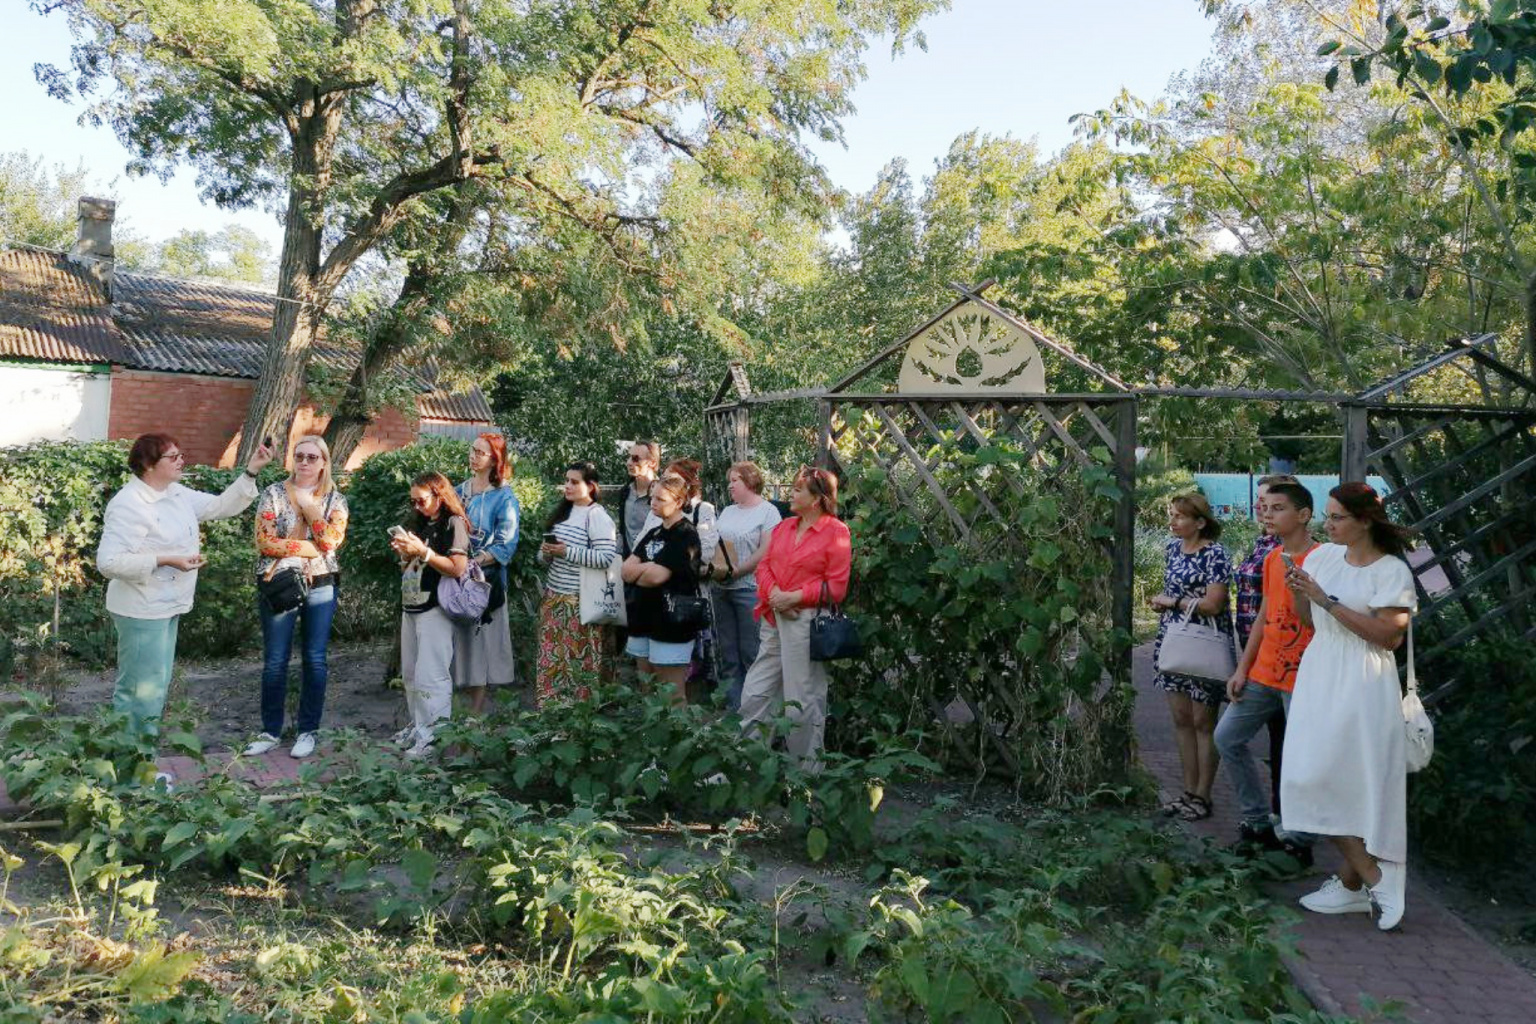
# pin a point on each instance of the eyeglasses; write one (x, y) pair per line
(308, 457)
(174, 456)
(1337, 518)
(480, 453)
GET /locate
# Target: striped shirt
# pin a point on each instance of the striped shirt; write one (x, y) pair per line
(590, 540)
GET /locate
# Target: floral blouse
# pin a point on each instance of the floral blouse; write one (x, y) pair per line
(275, 518)
(1249, 578)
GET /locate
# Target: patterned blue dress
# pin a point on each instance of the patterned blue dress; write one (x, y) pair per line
(1188, 576)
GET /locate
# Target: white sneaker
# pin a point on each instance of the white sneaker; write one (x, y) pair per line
(167, 780)
(1335, 898)
(717, 779)
(423, 748)
(405, 737)
(303, 745)
(265, 742)
(1390, 894)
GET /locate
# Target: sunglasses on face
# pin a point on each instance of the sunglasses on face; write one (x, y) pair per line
(421, 502)
(307, 457)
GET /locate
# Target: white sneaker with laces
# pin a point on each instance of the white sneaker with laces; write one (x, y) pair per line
(405, 737)
(303, 745)
(1334, 898)
(1390, 894)
(423, 748)
(265, 742)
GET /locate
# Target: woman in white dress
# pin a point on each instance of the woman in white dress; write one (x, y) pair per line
(1344, 772)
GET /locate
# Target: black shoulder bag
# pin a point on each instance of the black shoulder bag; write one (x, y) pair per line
(283, 591)
(834, 636)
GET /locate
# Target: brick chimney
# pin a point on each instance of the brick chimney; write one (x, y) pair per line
(93, 240)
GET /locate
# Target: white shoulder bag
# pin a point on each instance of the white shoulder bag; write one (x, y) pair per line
(1421, 731)
(602, 591)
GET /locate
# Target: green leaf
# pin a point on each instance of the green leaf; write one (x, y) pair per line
(420, 867)
(816, 843)
(185, 742)
(1331, 79)
(178, 833)
(1328, 47)
(1360, 67)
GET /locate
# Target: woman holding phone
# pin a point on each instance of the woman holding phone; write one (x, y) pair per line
(150, 552)
(580, 534)
(434, 544)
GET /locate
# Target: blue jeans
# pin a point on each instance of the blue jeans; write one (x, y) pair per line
(736, 638)
(1240, 723)
(277, 640)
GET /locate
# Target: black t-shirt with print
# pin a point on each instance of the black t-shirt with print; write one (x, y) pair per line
(676, 548)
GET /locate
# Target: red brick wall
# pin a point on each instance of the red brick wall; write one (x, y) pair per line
(205, 415)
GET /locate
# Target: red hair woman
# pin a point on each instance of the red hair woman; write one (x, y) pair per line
(482, 655)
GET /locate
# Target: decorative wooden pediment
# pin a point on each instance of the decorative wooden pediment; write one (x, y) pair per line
(971, 350)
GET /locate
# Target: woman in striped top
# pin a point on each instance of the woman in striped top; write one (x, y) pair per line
(580, 534)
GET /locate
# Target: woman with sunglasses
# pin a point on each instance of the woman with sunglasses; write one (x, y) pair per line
(300, 524)
(482, 654)
(150, 554)
(808, 562)
(434, 544)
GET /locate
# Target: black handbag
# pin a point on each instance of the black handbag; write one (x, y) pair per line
(686, 611)
(283, 591)
(834, 636)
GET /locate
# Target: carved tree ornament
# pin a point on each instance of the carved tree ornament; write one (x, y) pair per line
(972, 350)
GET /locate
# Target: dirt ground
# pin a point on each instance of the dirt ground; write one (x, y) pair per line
(222, 699)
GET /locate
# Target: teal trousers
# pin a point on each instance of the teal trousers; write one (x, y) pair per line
(146, 649)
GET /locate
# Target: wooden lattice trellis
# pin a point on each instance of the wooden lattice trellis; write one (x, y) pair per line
(1463, 476)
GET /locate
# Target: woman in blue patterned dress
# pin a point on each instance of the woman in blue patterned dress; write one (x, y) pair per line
(1195, 583)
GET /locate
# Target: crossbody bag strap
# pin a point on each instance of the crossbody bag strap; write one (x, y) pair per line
(290, 535)
(1413, 677)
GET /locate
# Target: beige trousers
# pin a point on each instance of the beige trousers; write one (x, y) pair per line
(784, 674)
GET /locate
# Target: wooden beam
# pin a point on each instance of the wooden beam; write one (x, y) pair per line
(1455, 349)
(1459, 462)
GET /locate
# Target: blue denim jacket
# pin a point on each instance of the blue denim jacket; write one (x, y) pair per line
(494, 517)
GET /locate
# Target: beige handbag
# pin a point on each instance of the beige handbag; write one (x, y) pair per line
(1198, 650)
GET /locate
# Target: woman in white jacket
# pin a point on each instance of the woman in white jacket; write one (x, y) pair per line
(150, 554)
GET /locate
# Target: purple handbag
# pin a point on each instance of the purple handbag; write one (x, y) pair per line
(465, 598)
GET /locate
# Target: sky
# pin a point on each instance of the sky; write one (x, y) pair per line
(1019, 67)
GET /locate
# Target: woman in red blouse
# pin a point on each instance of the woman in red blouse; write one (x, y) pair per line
(809, 555)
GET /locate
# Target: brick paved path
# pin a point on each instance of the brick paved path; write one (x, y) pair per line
(1436, 967)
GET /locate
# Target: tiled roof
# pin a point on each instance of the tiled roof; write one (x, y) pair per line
(467, 407)
(52, 311)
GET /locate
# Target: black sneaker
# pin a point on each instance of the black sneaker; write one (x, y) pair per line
(1301, 853)
(1253, 838)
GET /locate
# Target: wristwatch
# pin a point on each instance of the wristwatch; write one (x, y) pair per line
(1329, 604)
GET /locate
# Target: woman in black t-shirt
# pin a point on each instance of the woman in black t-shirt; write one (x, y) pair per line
(667, 613)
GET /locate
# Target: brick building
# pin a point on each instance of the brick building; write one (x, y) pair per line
(88, 351)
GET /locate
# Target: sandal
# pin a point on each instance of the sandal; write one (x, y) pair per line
(1196, 808)
(1178, 805)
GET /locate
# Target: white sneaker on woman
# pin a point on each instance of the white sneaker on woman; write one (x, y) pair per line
(405, 737)
(1390, 894)
(1335, 898)
(303, 745)
(424, 747)
(265, 742)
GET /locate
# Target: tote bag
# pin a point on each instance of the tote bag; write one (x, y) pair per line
(1421, 731)
(602, 592)
(1196, 649)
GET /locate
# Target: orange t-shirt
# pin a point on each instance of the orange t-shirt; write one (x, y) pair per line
(1285, 638)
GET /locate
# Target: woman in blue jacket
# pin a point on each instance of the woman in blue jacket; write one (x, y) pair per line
(482, 653)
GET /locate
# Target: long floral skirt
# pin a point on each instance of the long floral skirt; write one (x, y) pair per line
(570, 654)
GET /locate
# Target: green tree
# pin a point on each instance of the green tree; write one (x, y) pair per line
(347, 114)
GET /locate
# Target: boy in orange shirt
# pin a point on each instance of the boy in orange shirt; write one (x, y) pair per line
(1266, 673)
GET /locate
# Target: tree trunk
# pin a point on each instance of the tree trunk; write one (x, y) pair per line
(301, 302)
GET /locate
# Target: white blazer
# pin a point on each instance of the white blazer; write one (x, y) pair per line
(141, 524)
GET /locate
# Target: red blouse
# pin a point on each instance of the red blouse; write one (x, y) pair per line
(824, 554)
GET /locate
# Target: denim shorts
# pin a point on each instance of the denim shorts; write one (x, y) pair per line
(659, 652)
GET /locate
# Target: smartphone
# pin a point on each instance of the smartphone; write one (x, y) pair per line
(1290, 563)
(397, 531)
(267, 442)
(551, 538)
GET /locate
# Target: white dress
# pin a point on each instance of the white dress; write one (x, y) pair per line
(1344, 773)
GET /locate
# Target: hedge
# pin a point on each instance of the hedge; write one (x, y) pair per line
(53, 496)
